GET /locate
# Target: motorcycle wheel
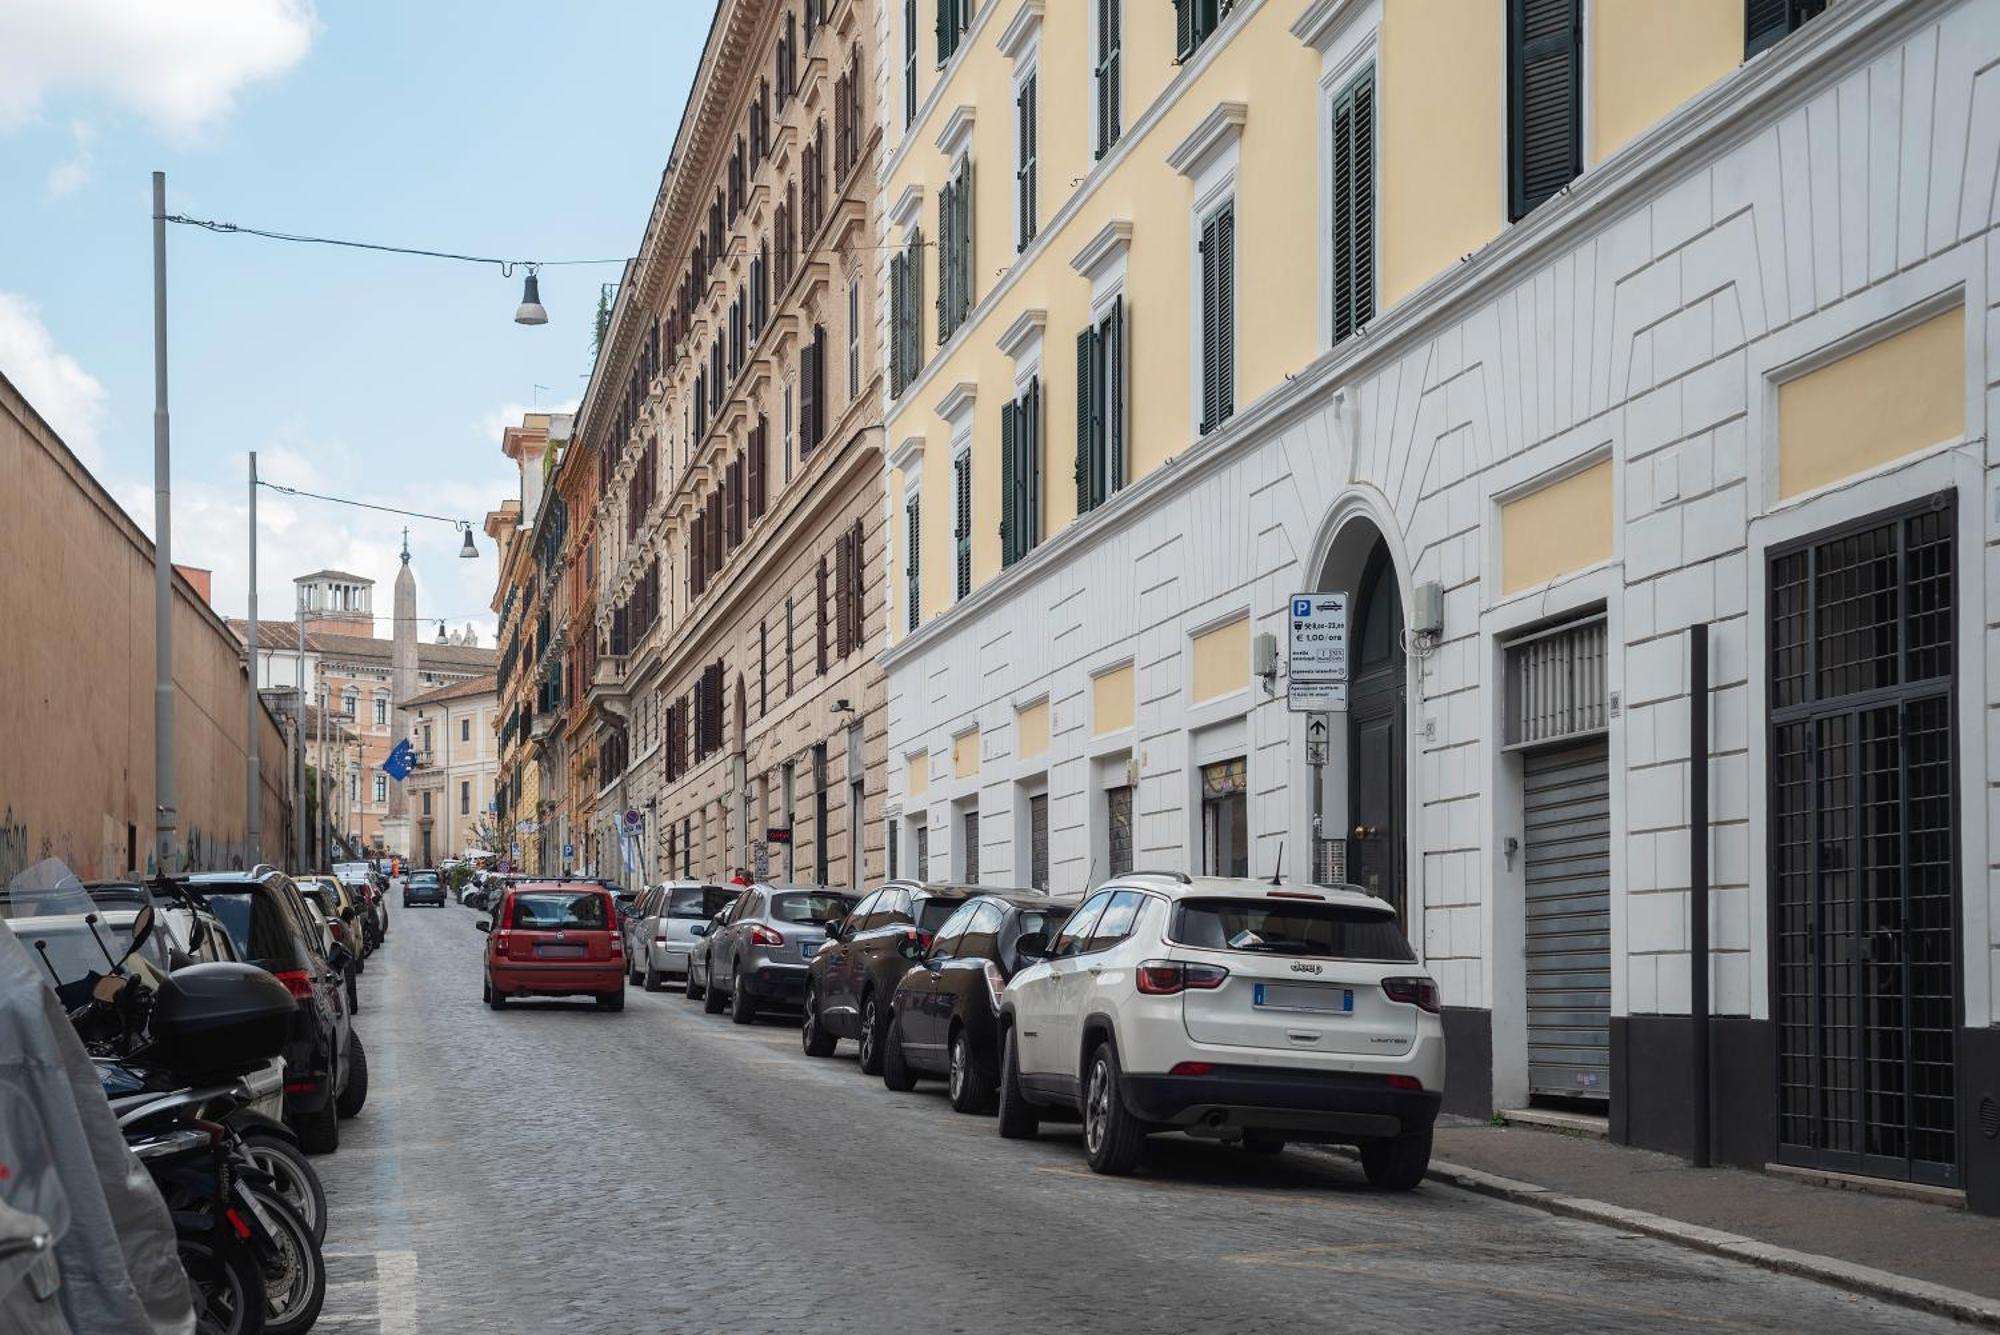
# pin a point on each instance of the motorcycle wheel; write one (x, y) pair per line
(294, 1179)
(225, 1281)
(294, 1273)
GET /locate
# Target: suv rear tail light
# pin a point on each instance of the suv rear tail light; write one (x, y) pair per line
(1419, 992)
(297, 982)
(1192, 1068)
(1409, 1082)
(1164, 978)
(760, 935)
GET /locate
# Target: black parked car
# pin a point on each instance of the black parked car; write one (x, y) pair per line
(943, 1017)
(326, 1071)
(423, 887)
(855, 973)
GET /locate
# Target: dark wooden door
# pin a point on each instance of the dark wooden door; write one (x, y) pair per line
(1375, 734)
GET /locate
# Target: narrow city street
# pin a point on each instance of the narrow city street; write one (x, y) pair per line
(551, 1168)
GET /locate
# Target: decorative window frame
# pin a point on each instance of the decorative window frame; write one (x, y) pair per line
(1210, 157)
(1348, 36)
(1021, 42)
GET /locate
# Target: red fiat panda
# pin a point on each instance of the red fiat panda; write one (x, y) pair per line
(555, 939)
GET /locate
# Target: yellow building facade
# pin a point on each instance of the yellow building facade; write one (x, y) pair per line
(1562, 337)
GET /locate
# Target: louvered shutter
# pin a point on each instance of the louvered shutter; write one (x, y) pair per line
(962, 200)
(898, 316)
(1028, 427)
(819, 385)
(1089, 419)
(842, 582)
(808, 397)
(1024, 174)
(1225, 315)
(1545, 99)
(944, 262)
(1113, 389)
(1354, 206)
(1210, 326)
(1010, 523)
(915, 274)
(857, 597)
(913, 557)
(961, 491)
(819, 618)
(1185, 36)
(1765, 22)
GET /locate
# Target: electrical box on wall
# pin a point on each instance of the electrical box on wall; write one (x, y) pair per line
(1427, 609)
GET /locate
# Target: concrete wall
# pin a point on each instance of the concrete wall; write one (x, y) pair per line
(76, 682)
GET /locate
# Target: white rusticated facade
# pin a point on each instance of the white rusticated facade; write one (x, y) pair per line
(1832, 194)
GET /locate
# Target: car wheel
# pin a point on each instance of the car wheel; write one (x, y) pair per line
(813, 1035)
(1263, 1142)
(896, 1073)
(688, 984)
(319, 1132)
(495, 997)
(1018, 1118)
(650, 979)
(971, 1086)
(1397, 1163)
(712, 1000)
(353, 996)
(611, 1001)
(349, 1103)
(632, 975)
(742, 1006)
(874, 1033)
(1112, 1136)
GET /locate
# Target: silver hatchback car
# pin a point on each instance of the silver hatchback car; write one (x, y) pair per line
(757, 959)
(671, 917)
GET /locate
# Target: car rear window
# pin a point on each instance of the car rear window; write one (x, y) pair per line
(699, 901)
(935, 911)
(557, 911)
(1337, 931)
(810, 906)
(257, 925)
(423, 878)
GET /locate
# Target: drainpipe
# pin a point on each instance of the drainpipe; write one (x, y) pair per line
(1698, 881)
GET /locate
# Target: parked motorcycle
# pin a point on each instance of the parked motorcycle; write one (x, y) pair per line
(182, 1057)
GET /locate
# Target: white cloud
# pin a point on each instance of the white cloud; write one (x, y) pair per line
(178, 63)
(69, 175)
(68, 397)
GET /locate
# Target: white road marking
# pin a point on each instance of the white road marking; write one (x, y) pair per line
(397, 1298)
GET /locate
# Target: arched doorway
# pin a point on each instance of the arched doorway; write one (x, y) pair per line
(1360, 793)
(1376, 734)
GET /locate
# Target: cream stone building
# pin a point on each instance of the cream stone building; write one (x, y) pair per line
(1556, 337)
(454, 733)
(736, 409)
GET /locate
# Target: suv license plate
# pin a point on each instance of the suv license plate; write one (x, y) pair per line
(1304, 997)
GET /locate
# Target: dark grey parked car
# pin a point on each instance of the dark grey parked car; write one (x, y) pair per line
(756, 959)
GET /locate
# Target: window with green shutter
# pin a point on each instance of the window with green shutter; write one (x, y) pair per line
(1353, 171)
(1110, 51)
(898, 313)
(954, 299)
(1024, 171)
(912, 556)
(1544, 100)
(1768, 22)
(953, 18)
(1195, 21)
(909, 63)
(1021, 474)
(1218, 317)
(1100, 409)
(961, 504)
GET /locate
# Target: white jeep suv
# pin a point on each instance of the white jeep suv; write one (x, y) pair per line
(1235, 1010)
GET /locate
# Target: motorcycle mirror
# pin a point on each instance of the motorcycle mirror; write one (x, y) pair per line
(142, 928)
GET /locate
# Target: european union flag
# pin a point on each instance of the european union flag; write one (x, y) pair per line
(400, 762)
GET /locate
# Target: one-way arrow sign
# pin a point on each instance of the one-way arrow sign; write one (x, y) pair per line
(1316, 738)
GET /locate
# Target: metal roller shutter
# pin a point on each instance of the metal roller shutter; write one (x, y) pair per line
(1568, 864)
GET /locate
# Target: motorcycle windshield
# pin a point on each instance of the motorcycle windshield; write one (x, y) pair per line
(49, 889)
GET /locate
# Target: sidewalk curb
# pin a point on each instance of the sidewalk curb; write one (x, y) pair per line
(1920, 1294)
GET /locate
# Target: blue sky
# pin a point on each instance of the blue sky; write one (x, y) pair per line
(500, 127)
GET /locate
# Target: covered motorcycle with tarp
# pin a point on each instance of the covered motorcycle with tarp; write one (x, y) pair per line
(76, 1205)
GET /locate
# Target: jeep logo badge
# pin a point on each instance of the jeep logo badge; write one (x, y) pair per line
(1303, 967)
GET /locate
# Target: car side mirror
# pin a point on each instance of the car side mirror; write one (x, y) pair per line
(699, 929)
(484, 925)
(1033, 946)
(836, 928)
(349, 914)
(910, 948)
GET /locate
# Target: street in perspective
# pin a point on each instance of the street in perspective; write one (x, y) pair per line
(796, 665)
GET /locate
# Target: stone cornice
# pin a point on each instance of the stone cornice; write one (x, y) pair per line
(957, 131)
(1215, 132)
(1111, 241)
(1026, 326)
(960, 398)
(1021, 29)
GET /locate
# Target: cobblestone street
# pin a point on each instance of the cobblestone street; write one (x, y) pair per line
(553, 1169)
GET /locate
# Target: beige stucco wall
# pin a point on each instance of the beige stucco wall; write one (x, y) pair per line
(1032, 728)
(76, 683)
(965, 755)
(1553, 530)
(1889, 399)
(1222, 660)
(1111, 700)
(1648, 57)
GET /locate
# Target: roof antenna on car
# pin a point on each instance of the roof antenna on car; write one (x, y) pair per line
(1090, 876)
(1278, 872)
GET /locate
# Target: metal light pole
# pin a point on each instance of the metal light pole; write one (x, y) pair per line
(166, 814)
(253, 816)
(299, 736)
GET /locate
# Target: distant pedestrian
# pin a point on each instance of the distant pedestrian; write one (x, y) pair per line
(742, 877)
